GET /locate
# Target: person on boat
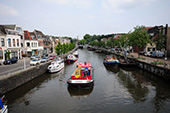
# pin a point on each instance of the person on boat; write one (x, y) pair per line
(113, 58)
(89, 71)
(77, 64)
(85, 63)
(85, 73)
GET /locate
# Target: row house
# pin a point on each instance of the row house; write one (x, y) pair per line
(11, 37)
(31, 44)
(64, 40)
(56, 40)
(43, 41)
(54, 44)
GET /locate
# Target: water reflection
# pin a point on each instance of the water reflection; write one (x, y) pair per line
(24, 89)
(138, 91)
(161, 88)
(80, 92)
(58, 74)
(114, 68)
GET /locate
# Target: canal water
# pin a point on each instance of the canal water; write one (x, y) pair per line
(115, 90)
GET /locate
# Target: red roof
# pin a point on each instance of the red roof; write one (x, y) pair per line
(117, 36)
(27, 35)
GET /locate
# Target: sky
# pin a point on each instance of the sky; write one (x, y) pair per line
(75, 18)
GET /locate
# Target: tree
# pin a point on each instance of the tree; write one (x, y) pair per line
(58, 48)
(139, 37)
(88, 38)
(83, 41)
(67, 48)
(160, 41)
(8, 54)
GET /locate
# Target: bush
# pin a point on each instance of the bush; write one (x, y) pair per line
(157, 63)
(141, 58)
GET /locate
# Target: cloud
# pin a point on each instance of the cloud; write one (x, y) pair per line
(8, 11)
(77, 3)
(119, 6)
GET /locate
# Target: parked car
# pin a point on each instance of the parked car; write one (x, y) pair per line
(51, 57)
(142, 52)
(35, 61)
(45, 55)
(44, 59)
(148, 53)
(11, 61)
(35, 56)
(157, 54)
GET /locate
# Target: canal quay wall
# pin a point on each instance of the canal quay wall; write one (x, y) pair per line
(158, 70)
(16, 79)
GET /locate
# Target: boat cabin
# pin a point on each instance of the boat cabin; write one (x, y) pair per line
(83, 72)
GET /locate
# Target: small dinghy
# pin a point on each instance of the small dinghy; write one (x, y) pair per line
(3, 108)
(111, 60)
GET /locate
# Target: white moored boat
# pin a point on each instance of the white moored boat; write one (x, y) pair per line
(56, 66)
(71, 58)
(76, 53)
(3, 108)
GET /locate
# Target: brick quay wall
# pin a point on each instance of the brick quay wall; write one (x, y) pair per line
(17, 79)
(11, 81)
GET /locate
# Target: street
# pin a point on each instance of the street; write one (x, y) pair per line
(4, 69)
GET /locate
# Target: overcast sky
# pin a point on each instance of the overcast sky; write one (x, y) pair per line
(79, 17)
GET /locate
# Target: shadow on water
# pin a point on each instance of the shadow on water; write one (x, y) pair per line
(137, 82)
(80, 91)
(113, 68)
(138, 91)
(25, 88)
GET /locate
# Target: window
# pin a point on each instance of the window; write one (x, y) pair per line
(9, 42)
(28, 44)
(13, 42)
(18, 42)
(2, 42)
(18, 29)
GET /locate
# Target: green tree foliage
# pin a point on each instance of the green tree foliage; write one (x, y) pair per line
(160, 41)
(58, 48)
(64, 48)
(139, 37)
(67, 48)
(83, 41)
(8, 54)
(88, 38)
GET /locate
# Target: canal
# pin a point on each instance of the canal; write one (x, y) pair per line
(115, 90)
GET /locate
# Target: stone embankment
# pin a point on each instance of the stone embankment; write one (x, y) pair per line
(145, 64)
(16, 79)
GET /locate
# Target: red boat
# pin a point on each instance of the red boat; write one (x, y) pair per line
(82, 75)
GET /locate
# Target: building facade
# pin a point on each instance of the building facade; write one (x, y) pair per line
(10, 36)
